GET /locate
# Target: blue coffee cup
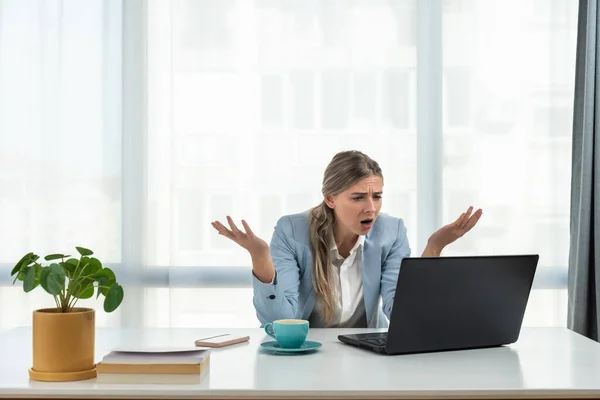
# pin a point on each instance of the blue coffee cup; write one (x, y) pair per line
(289, 333)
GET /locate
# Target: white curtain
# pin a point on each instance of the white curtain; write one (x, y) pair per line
(127, 126)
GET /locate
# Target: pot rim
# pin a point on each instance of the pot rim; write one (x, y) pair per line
(53, 311)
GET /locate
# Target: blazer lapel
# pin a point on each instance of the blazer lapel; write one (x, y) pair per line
(309, 305)
(371, 272)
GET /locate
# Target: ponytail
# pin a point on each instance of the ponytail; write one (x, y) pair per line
(322, 221)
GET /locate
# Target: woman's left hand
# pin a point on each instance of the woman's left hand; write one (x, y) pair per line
(455, 230)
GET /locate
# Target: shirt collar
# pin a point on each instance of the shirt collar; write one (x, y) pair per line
(359, 243)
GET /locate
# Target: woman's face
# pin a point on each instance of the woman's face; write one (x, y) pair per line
(357, 207)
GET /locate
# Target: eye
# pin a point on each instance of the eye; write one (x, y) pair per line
(357, 198)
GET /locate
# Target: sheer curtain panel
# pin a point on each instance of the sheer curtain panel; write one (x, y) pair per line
(127, 126)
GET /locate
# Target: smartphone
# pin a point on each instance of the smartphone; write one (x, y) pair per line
(226, 339)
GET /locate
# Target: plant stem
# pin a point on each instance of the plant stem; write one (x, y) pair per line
(65, 295)
(75, 283)
(67, 289)
(72, 304)
(68, 293)
(63, 303)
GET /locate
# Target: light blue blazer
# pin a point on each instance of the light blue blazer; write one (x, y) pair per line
(292, 295)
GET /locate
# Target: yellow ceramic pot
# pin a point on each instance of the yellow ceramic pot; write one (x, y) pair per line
(63, 345)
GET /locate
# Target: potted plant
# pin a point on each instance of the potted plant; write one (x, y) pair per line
(63, 336)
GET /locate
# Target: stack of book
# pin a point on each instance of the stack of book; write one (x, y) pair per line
(154, 366)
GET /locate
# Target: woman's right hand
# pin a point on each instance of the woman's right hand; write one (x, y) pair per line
(248, 240)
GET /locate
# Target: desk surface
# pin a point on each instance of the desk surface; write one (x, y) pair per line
(545, 362)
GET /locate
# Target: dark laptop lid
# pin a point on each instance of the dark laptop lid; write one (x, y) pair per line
(447, 303)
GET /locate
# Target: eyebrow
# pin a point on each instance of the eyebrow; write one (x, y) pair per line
(363, 193)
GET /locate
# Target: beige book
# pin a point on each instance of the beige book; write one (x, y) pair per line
(179, 362)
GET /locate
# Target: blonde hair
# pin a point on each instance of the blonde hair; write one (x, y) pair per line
(344, 170)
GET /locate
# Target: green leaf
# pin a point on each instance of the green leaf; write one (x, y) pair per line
(94, 265)
(105, 277)
(21, 275)
(114, 297)
(29, 279)
(86, 293)
(101, 282)
(52, 279)
(105, 272)
(51, 257)
(25, 261)
(97, 264)
(38, 273)
(17, 267)
(44, 278)
(33, 260)
(83, 268)
(81, 265)
(84, 252)
(69, 266)
(85, 275)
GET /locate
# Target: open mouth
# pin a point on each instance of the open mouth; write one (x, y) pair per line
(366, 223)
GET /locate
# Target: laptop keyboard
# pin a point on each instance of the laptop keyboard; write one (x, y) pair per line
(375, 339)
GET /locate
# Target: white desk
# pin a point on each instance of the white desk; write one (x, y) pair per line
(544, 363)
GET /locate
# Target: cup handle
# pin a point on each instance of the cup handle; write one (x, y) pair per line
(268, 332)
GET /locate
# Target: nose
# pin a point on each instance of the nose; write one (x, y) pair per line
(370, 206)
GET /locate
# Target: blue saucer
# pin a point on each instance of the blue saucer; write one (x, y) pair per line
(306, 347)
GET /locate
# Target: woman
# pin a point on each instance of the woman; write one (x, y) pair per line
(332, 264)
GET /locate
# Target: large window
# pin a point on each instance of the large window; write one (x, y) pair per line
(128, 130)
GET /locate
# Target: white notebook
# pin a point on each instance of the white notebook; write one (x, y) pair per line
(156, 356)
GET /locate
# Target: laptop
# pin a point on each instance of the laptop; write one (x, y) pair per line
(454, 303)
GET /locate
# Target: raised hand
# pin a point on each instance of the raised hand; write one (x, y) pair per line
(455, 230)
(248, 240)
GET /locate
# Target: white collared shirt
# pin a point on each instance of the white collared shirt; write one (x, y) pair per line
(348, 285)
